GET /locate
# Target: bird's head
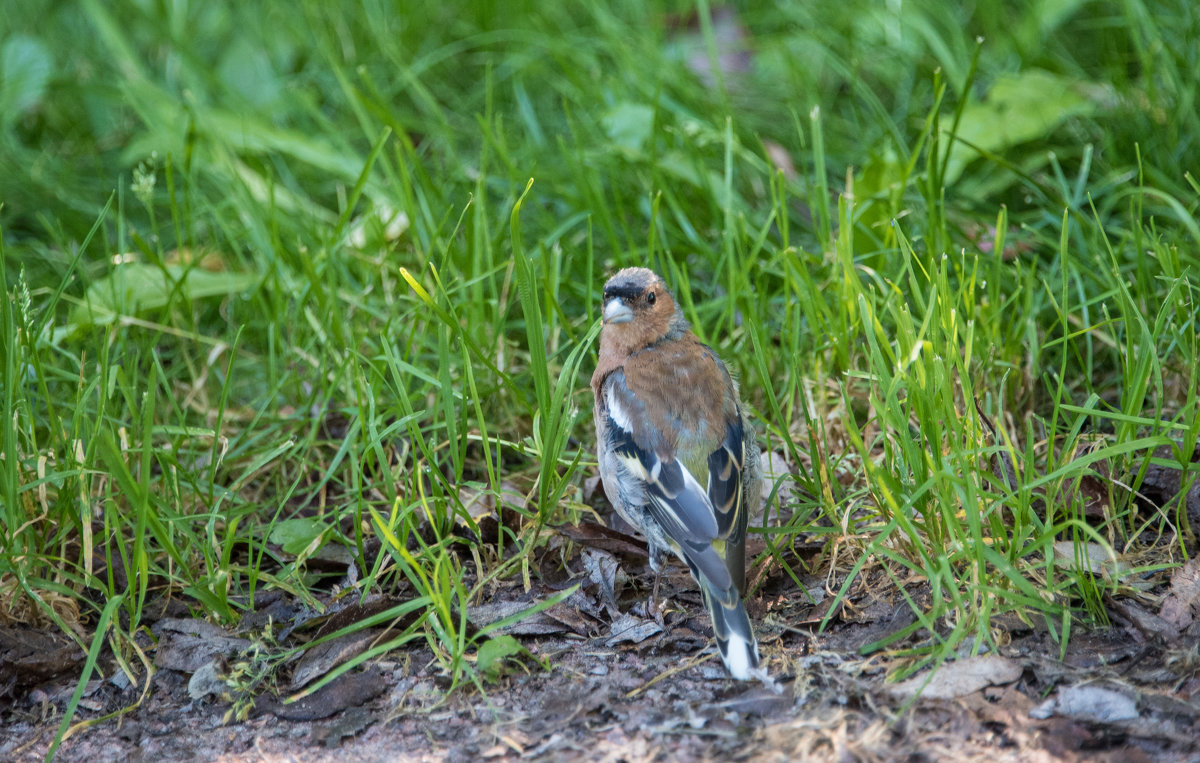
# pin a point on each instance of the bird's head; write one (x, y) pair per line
(639, 310)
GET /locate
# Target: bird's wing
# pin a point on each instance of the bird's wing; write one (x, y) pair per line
(725, 469)
(678, 503)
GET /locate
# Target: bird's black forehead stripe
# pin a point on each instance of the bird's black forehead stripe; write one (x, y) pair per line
(626, 288)
(623, 290)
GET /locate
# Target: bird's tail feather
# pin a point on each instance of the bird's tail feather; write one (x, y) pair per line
(731, 625)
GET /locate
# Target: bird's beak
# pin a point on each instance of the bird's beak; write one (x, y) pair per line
(616, 311)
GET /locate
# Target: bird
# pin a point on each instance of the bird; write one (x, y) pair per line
(677, 452)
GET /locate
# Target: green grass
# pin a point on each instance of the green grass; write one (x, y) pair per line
(280, 288)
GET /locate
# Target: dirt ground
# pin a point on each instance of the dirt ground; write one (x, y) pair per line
(632, 683)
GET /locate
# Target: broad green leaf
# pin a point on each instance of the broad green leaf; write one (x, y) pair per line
(629, 125)
(1019, 108)
(494, 652)
(296, 535)
(246, 68)
(25, 68)
(137, 287)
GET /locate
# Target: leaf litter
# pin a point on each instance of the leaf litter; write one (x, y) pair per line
(634, 678)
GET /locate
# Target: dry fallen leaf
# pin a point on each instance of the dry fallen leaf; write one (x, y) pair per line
(29, 657)
(347, 690)
(481, 502)
(602, 571)
(605, 538)
(188, 645)
(1091, 557)
(1148, 624)
(537, 624)
(775, 471)
(633, 629)
(324, 657)
(780, 159)
(1181, 607)
(1088, 702)
(209, 679)
(960, 678)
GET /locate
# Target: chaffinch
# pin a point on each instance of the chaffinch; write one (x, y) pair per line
(677, 452)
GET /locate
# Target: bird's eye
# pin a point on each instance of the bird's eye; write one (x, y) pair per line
(650, 298)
